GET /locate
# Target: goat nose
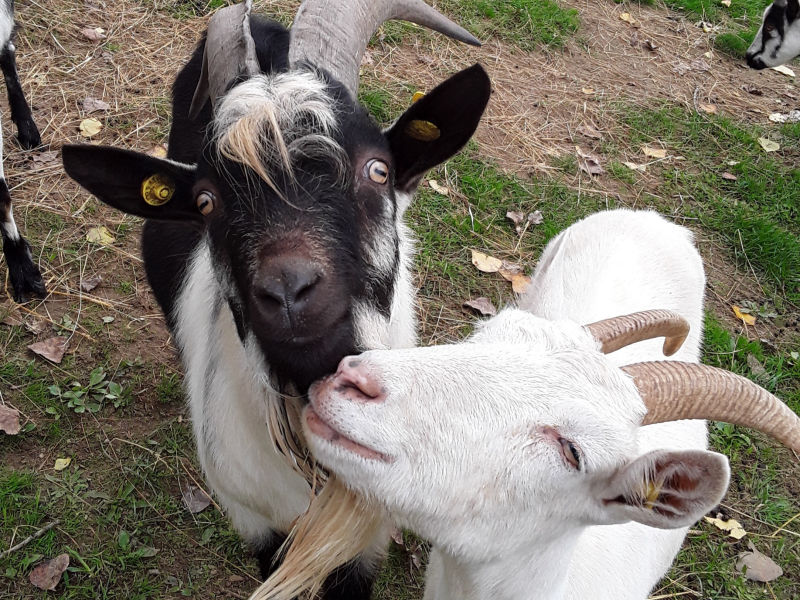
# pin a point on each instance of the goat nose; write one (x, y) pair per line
(286, 284)
(357, 381)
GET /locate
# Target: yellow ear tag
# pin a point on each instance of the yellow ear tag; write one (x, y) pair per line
(424, 131)
(157, 189)
(417, 96)
(650, 492)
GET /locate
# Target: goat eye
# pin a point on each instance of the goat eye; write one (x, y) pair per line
(570, 452)
(769, 28)
(378, 171)
(205, 203)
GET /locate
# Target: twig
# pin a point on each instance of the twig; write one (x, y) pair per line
(30, 538)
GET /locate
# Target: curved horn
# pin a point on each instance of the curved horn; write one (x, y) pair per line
(229, 52)
(674, 390)
(333, 34)
(618, 332)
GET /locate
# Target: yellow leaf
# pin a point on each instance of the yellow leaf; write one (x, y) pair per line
(746, 318)
(634, 167)
(711, 109)
(62, 463)
(769, 145)
(484, 262)
(588, 91)
(784, 69)
(709, 55)
(439, 189)
(629, 19)
(100, 235)
(654, 152)
(732, 526)
(726, 3)
(90, 127)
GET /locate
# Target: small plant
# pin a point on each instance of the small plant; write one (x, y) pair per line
(92, 396)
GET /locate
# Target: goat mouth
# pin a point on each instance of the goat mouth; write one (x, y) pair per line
(322, 429)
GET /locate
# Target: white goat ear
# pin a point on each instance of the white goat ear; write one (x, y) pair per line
(667, 489)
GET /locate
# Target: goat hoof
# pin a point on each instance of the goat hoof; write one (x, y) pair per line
(28, 136)
(25, 278)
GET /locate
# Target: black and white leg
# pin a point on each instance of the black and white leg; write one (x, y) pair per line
(27, 132)
(25, 278)
(352, 581)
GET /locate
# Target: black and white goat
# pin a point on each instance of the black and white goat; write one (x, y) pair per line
(274, 239)
(22, 273)
(778, 40)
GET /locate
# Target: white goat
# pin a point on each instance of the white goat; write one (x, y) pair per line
(778, 40)
(510, 450)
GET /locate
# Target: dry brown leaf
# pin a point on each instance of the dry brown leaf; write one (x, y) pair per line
(757, 566)
(9, 315)
(87, 285)
(756, 368)
(588, 163)
(47, 574)
(397, 536)
(52, 349)
(194, 498)
(746, 318)
(710, 109)
(751, 89)
(729, 176)
(482, 305)
(654, 152)
(9, 420)
(516, 217)
(47, 157)
(590, 131)
(520, 283)
(35, 326)
(439, 189)
(91, 105)
(484, 262)
(509, 270)
(90, 127)
(732, 526)
(95, 34)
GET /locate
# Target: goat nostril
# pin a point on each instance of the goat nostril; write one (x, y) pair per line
(304, 289)
(353, 379)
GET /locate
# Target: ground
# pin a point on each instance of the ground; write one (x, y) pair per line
(575, 85)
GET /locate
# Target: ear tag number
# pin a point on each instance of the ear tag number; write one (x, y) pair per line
(424, 131)
(157, 189)
(650, 493)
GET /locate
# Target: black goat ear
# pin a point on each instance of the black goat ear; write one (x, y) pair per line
(438, 125)
(134, 183)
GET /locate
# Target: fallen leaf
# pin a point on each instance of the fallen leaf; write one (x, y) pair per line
(793, 116)
(397, 536)
(47, 574)
(755, 366)
(709, 55)
(757, 566)
(235, 578)
(711, 109)
(732, 526)
(784, 69)
(706, 27)
(439, 189)
(108, 320)
(654, 152)
(194, 498)
(634, 167)
(87, 285)
(520, 283)
(729, 176)
(510, 270)
(91, 105)
(482, 305)
(590, 131)
(9, 420)
(732, 163)
(45, 158)
(9, 315)
(535, 218)
(35, 326)
(768, 145)
(90, 127)
(100, 235)
(515, 216)
(588, 163)
(629, 19)
(647, 44)
(95, 34)
(159, 151)
(484, 262)
(746, 318)
(52, 349)
(726, 3)
(588, 91)
(62, 463)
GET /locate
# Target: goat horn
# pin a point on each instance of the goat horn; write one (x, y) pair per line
(673, 390)
(229, 52)
(333, 34)
(618, 332)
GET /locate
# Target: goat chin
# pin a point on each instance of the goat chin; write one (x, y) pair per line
(337, 527)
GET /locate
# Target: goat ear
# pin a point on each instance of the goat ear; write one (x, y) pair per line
(438, 125)
(134, 183)
(667, 489)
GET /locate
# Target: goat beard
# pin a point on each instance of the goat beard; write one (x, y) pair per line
(337, 527)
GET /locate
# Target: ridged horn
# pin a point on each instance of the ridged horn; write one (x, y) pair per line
(674, 390)
(618, 332)
(229, 52)
(333, 34)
